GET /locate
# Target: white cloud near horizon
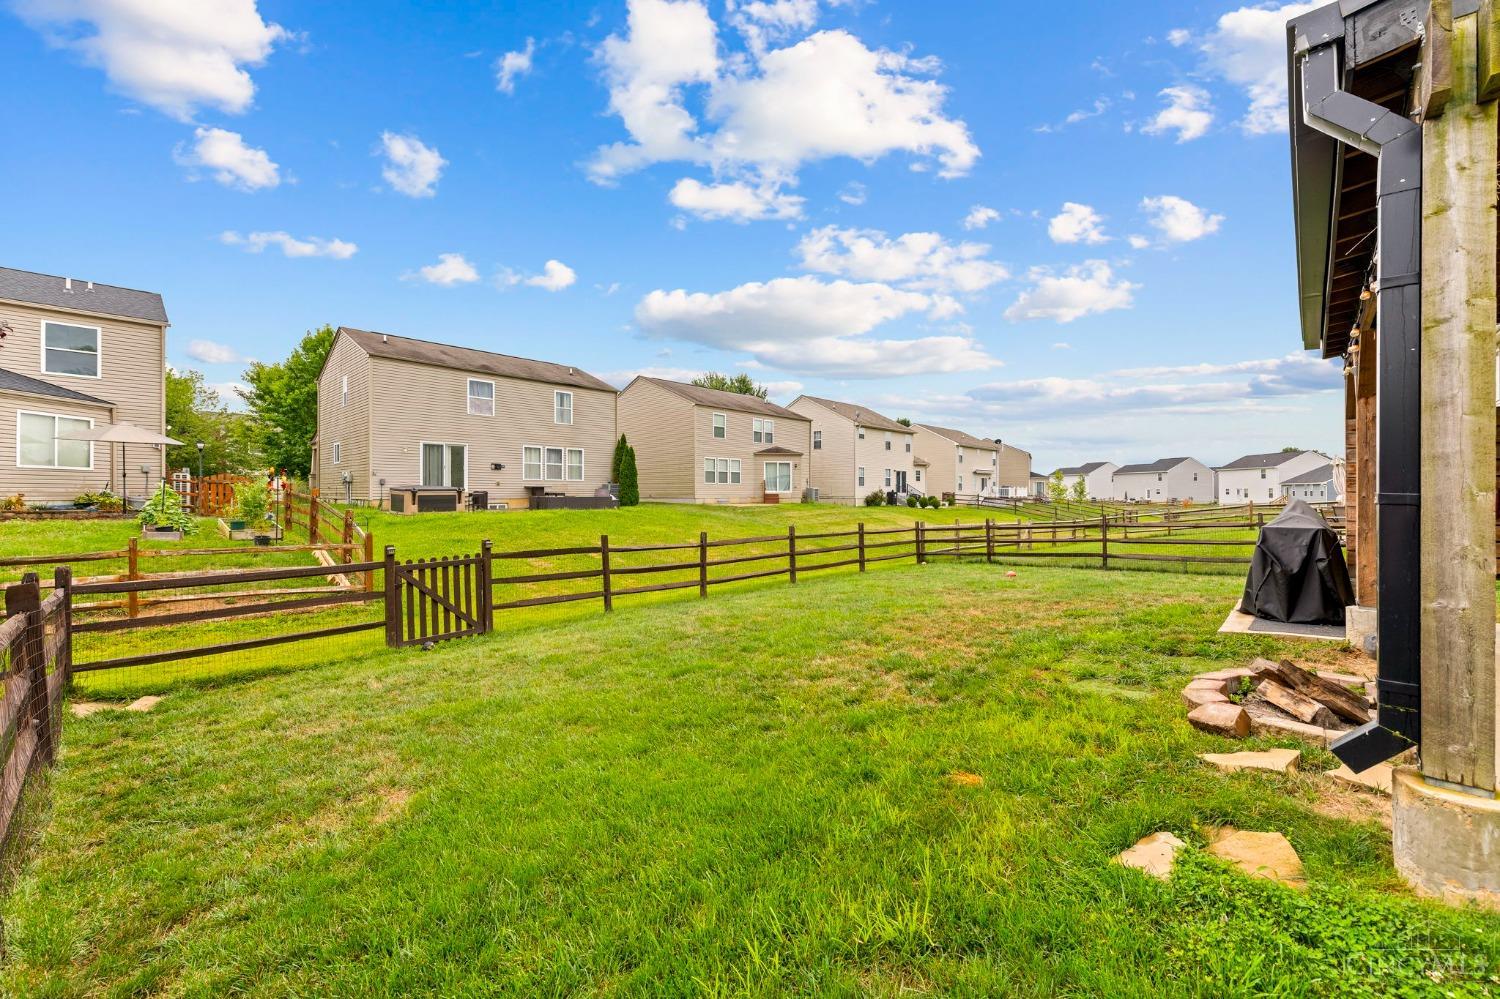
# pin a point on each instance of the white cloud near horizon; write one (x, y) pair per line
(412, 167)
(174, 55)
(230, 161)
(213, 352)
(290, 246)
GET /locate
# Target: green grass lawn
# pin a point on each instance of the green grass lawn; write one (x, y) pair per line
(761, 794)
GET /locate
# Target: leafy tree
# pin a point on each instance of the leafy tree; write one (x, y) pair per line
(617, 462)
(905, 421)
(1080, 490)
(630, 486)
(1290, 450)
(740, 383)
(195, 413)
(283, 399)
(1056, 488)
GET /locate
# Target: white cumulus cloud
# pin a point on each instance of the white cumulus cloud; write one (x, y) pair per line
(1189, 113)
(736, 201)
(512, 66)
(918, 260)
(555, 276)
(1247, 47)
(290, 246)
(411, 166)
(212, 352)
(450, 269)
(1179, 220)
(980, 216)
(175, 55)
(231, 162)
(1082, 290)
(1077, 223)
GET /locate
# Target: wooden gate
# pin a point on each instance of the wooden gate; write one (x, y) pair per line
(432, 600)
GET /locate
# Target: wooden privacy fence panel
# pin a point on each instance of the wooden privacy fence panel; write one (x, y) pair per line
(210, 495)
(35, 664)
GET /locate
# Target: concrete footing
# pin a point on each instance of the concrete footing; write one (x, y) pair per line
(1446, 842)
(1360, 628)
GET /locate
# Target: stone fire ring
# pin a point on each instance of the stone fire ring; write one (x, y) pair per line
(1210, 708)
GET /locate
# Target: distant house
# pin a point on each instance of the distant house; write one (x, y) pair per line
(1014, 470)
(960, 463)
(1258, 477)
(397, 412)
(1098, 478)
(1167, 480)
(856, 451)
(1038, 485)
(701, 445)
(76, 356)
(1323, 484)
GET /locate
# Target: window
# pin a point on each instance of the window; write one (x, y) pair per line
(778, 476)
(1158, 476)
(908, 444)
(708, 471)
(764, 431)
(443, 465)
(960, 456)
(344, 390)
(960, 483)
(575, 464)
(562, 408)
(725, 471)
(861, 476)
(70, 350)
(1263, 473)
(531, 463)
(338, 452)
(887, 443)
(817, 440)
(37, 445)
(552, 459)
(861, 433)
(888, 478)
(721, 425)
(1195, 476)
(734, 471)
(919, 474)
(481, 397)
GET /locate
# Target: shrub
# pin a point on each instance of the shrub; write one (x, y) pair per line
(930, 502)
(14, 503)
(104, 501)
(912, 501)
(164, 510)
(876, 498)
(251, 504)
(630, 484)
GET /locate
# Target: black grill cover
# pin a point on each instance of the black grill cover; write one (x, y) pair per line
(1298, 573)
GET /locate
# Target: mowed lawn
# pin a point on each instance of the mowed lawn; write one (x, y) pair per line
(910, 782)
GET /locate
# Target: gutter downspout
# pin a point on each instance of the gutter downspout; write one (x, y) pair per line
(1397, 143)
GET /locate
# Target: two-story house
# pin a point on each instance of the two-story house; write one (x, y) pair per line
(1324, 484)
(701, 445)
(856, 451)
(959, 463)
(1258, 477)
(1098, 479)
(74, 356)
(394, 412)
(1166, 480)
(1014, 478)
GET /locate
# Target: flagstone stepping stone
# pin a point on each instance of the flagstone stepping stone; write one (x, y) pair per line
(1153, 855)
(1377, 778)
(82, 709)
(1260, 855)
(965, 779)
(1282, 761)
(143, 703)
(1221, 718)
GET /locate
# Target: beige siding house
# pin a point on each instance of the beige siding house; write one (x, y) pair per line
(76, 355)
(1014, 476)
(698, 445)
(395, 412)
(856, 451)
(960, 463)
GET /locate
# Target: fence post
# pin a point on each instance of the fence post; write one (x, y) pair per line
(486, 589)
(1104, 542)
(29, 659)
(392, 600)
(62, 582)
(370, 557)
(791, 553)
(989, 539)
(348, 539)
(921, 543)
(132, 571)
(861, 546)
(702, 564)
(609, 597)
(286, 509)
(312, 516)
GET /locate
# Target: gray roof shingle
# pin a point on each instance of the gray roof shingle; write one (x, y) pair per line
(84, 296)
(11, 381)
(1318, 476)
(959, 437)
(444, 355)
(1159, 465)
(1087, 469)
(735, 401)
(1272, 460)
(861, 415)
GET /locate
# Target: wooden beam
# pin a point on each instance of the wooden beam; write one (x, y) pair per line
(1361, 505)
(1489, 52)
(1435, 82)
(1458, 422)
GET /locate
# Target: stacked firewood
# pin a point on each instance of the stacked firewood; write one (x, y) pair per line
(1306, 696)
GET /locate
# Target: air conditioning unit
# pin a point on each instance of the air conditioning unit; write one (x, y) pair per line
(810, 495)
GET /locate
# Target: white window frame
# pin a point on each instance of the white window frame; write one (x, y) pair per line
(469, 391)
(338, 452)
(562, 463)
(908, 443)
(918, 473)
(719, 422)
(98, 350)
(568, 464)
(734, 471)
(861, 432)
(888, 478)
(557, 407)
(763, 431)
(861, 471)
(709, 464)
(54, 417)
(765, 476)
(817, 440)
(343, 390)
(960, 456)
(540, 468)
(447, 447)
(888, 440)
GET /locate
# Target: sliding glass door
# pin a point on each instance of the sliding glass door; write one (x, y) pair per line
(443, 465)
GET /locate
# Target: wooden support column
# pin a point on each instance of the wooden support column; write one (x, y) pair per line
(1361, 503)
(1458, 425)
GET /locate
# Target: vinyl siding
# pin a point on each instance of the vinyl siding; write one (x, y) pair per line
(832, 468)
(945, 470)
(412, 403)
(872, 454)
(658, 425)
(345, 425)
(1263, 490)
(133, 378)
(739, 442)
(1015, 468)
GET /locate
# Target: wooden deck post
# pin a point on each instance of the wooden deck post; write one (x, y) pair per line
(861, 546)
(1458, 426)
(132, 571)
(604, 581)
(791, 553)
(392, 600)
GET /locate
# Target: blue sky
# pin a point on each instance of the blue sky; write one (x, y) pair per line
(1069, 229)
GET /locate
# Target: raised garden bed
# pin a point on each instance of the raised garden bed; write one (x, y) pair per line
(271, 532)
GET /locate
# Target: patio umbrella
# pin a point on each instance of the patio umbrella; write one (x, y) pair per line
(121, 434)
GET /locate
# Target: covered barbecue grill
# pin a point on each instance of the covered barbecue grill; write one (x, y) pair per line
(1297, 574)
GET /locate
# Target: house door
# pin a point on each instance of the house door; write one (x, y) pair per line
(443, 465)
(900, 481)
